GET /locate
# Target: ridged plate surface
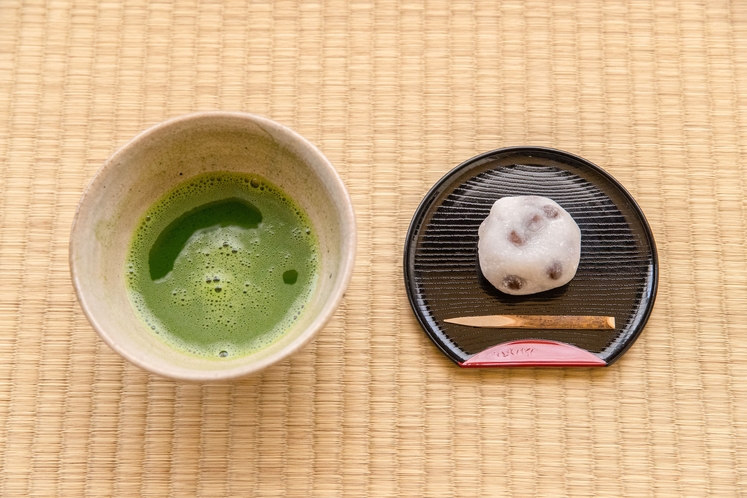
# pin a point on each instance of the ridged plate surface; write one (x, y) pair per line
(617, 274)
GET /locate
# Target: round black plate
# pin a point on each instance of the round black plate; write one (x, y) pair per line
(617, 275)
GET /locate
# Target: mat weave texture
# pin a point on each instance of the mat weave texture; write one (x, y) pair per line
(395, 93)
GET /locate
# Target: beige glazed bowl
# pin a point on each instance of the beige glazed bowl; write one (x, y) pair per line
(154, 162)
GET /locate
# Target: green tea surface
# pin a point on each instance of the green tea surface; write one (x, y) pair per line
(222, 265)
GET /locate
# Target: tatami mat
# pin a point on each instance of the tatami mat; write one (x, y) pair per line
(395, 93)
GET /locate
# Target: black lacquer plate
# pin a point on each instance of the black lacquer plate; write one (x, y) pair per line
(617, 275)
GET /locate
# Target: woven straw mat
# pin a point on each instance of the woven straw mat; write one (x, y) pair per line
(395, 93)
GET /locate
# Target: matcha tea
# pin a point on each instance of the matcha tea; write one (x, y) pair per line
(222, 265)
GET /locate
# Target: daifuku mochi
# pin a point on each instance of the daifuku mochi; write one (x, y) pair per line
(528, 244)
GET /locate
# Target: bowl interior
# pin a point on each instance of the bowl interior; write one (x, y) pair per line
(154, 162)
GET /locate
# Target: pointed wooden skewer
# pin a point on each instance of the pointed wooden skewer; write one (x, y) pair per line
(565, 322)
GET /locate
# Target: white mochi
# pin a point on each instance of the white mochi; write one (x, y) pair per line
(528, 244)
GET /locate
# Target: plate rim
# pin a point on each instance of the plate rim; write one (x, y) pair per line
(432, 193)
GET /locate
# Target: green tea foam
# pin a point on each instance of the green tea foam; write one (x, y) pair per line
(222, 265)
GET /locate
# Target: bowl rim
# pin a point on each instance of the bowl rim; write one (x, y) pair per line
(345, 210)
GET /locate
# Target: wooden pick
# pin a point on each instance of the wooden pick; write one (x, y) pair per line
(565, 322)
